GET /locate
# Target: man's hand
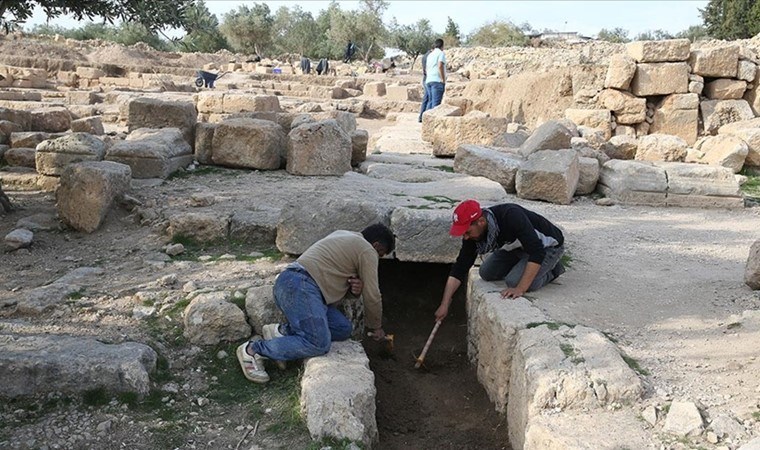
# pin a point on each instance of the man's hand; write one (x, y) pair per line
(355, 285)
(512, 293)
(441, 313)
(378, 334)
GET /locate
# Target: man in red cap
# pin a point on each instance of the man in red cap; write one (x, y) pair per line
(525, 249)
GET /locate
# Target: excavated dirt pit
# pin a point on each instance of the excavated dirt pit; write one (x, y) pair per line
(441, 405)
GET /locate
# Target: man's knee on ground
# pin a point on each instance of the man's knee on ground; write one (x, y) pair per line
(342, 332)
(488, 274)
(318, 340)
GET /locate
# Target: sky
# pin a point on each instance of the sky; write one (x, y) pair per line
(585, 17)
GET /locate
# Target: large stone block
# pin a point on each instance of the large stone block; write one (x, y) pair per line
(146, 112)
(87, 191)
(51, 120)
(588, 169)
(345, 119)
(620, 72)
(598, 119)
(211, 319)
(749, 132)
(661, 147)
(433, 119)
(234, 103)
(28, 139)
(716, 113)
(471, 129)
(551, 135)
(550, 175)
(200, 227)
(722, 150)
(752, 268)
(677, 115)
(23, 118)
(622, 147)
(700, 180)
(255, 227)
(747, 71)
(152, 153)
(250, 143)
(204, 137)
(669, 50)
(751, 94)
(633, 182)
(91, 124)
(716, 62)
(374, 89)
(20, 157)
(485, 162)
(418, 235)
(261, 309)
(628, 109)
(319, 148)
(54, 155)
(725, 89)
(660, 79)
(398, 93)
(359, 141)
(210, 102)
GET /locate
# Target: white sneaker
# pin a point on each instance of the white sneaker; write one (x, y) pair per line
(271, 331)
(253, 366)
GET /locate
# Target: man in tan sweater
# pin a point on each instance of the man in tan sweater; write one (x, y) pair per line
(343, 263)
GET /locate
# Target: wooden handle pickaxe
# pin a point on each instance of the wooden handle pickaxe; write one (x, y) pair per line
(421, 358)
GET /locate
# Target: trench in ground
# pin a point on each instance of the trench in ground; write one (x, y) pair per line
(441, 405)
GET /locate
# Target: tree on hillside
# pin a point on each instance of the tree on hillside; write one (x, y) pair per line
(498, 33)
(414, 40)
(451, 36)
(364, 27)
(731, 19)
(653, 35)
(615, 35)
(152, 14)
(202, 29)
(249, 30)
(296, 32)
(694, 33)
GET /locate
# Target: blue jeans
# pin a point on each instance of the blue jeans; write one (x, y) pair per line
(510, 265)
(436, 89)
(312, 324)
(425, 101)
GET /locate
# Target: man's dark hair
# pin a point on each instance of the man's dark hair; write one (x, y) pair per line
(438, 43)
(382, 234)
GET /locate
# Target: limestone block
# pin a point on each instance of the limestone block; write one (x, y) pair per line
(696, 87)
(485, 162)
(723, 150)
(319, 148)
(716, 113)
(51, 120)
(210, 102)
(620, 72)
(146, 112)
(18, 238)
(398, 93)
(23, 118)
(255, 227)
(345, 119)
(683, 419)
(37, 365)
(633, 182)
(751, 94)
(549, 175)
(661, 147)
(725, 89)
(91, 125)
(551, 135)
(260, 307)
(749, 132)
(451, 132)
(599, 119)
(677, 115)
(152, 153)
(627, 108)
(359, 140)
(622, 147)
(669, 50)
(716, 62)
(418, 235)
(204, 137)
(700, 180)
(251, 143)
(571, 430)
(52, 156)
(211, 319)
(374, 89)
(20, 157)
(432, 119)
(6, 129)
(752, 268)
(746, 71)
(588, 170)
(89, 72)
(201, 227)
(660, 79)
(512, 140)
(234, 103)
(338, 395)
(81, 97)
(87, 191)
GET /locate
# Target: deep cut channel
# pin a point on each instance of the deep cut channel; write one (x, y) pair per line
(441, 405)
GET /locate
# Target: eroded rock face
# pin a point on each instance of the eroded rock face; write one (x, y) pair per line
(249, 143)
(752, 270)
(146, 112)
(52, 156)
(319, 148)
(551, 135)
(550, 175)
(210, 319)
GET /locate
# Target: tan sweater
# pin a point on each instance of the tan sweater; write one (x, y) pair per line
(335, 258)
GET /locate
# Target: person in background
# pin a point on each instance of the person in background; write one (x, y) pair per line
(350, 50)
(305, 65)
(435, 74)
(425, 93)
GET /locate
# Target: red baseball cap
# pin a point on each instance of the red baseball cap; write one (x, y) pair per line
(467, 212)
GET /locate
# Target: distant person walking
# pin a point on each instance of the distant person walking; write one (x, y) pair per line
(323, 66)
(425, 93)
(435, 74)
(350, 50)
(305, 65)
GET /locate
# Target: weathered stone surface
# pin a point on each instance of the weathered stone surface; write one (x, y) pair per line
(204, 142)
(620, 72)
(251, 143)
(338, 395)
(622, 147)
(81, 97)
(398, 93)
(20, 157)
(51, 120)
(549, 175)
(451, 132)
(551, 135)
(683, 419)
(568, 368)
(433, 119)
(751, 95)
(485, 162)
(752, 268)
(677, 115)
(359, 141)
(598, 119)
(700, 180)
(202, 227)
(52, 156)
(35, 365)
(716, 62)
(511, 140)
(716, 113)
(87, 191)
(661, 147)
(319, 148)
(152, 153)
(22, 118)
(260, 307)
(345, 119)
(660, 79)
(89, 72)
(374, 89)
(18, 238)
(627, 108)
(669, 50)
(407, 173)
(588, 169)
(257, 228)
(234, 103)
(633, 182)
(571, 430)
(210, 102)
(418, 235)
(725, 89)
(146, 112)
(27, 139)
(92, 125)
(37, 300)
(210, 319)
(723, 150)
(6, 128)
(749, 132)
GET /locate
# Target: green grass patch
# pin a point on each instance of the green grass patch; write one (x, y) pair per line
(239, 302)
(554, 326)
(75, 295)
(242, 250)
(444, 168)
(634, 365)
(756, 415)
(566, 259)
(751, 188)
(733, 325)
(96, 397)
(440, 199)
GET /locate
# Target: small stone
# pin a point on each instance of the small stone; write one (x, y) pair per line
(650, 415)
(205, 258)
(175, 249)
(202, 401)
(712, 437)
(221, 355)
(167, 280)
(255, 254)
(104, 426)
(18, 238)
(605, 201)
(202, 200)
(171, 388)
(227, 257)
(142, 312)
(190, 286)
